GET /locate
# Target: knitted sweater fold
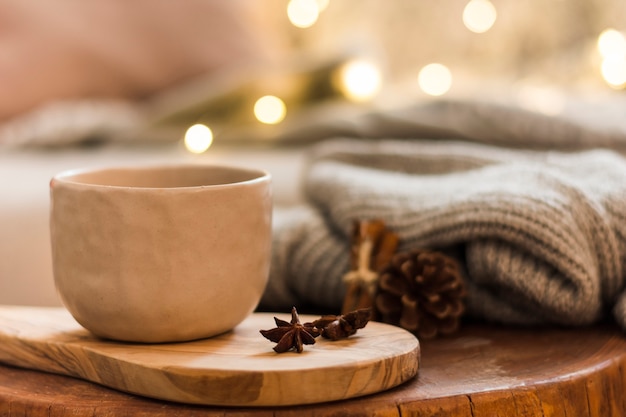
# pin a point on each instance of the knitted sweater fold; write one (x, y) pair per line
(541, 235)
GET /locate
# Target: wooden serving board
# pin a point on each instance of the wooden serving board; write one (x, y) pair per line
(238, 368)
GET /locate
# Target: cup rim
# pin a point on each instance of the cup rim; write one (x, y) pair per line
(68, 176)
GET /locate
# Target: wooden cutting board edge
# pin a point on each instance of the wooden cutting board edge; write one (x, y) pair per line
(72, 351)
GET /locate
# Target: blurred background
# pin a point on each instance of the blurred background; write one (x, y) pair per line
(566, 43)
(266, 70)
(341, 57)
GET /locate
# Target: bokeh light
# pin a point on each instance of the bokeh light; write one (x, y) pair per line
(435, 79)
(611, 43)
(303, 13)
(614, 71)
(479, 15)
(359, 80)
(270, 110)
(612, 47)
(198, 138)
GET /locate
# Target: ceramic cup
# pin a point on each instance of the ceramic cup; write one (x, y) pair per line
(161, 254)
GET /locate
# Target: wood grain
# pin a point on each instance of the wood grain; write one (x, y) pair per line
(482, 371)
(238, 368)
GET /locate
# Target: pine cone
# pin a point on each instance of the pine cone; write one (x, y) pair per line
(421, 291)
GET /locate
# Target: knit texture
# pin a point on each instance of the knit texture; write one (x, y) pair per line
(541, 235)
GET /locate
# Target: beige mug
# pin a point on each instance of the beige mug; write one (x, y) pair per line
(161, 254)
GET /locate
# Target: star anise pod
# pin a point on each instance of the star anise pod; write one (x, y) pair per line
(291, 335)
(342, 326)
(421, 291)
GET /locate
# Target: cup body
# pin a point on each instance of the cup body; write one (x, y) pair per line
(161, 254)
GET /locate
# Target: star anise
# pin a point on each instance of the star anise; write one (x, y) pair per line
(340, 327)
(291, 335)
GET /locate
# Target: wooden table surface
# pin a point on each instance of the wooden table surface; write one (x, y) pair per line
(482, 371)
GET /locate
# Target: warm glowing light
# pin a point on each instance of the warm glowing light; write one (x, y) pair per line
(303, 13)
(611, 43)
(614, 71)
(360, 80)
(435, 79)
(198, 138)
(479, 15)
(612, 47)
(270, 110)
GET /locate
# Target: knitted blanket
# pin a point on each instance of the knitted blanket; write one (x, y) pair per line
(540, 235)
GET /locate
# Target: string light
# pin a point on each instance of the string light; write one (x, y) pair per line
(612, 47)
(614, 71)
(303, 13)
(198, 138)
(359, 80)
(479, 15)
(611, 43)
(270, 110)
(435, 79)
